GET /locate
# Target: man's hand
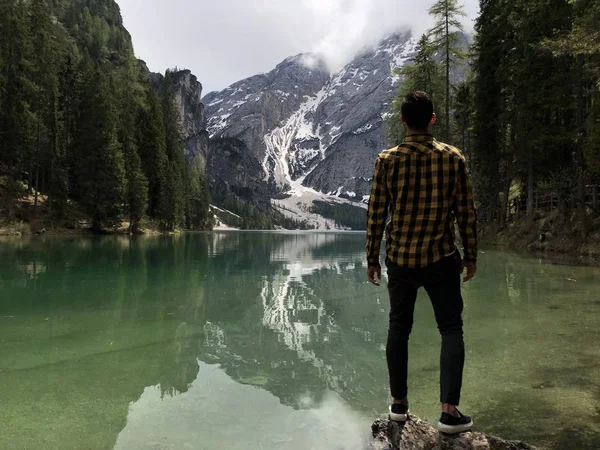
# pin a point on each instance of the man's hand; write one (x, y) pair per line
(372, 272)
(471, 268)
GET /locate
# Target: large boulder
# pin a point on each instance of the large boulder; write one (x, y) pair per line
(418, 434)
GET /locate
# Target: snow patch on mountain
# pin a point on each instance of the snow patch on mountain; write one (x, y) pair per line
(400, 58)
(279, 141)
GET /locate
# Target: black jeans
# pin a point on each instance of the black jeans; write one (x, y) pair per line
(442, 282)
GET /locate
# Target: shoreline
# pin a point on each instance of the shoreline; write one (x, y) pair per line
(86, 232)
(575, 241)
(521, 238)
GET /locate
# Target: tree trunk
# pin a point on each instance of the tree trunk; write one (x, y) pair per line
(37, 185)
(447, 134)
(131, 226)
(30, 175)
(563, 206)
(43, 189)
(581, 120)
(10, 202)
(530, 190)
(464, 141)
(504, 205)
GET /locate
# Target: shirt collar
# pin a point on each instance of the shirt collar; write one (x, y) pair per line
(419, 138)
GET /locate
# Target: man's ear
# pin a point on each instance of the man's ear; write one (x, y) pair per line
(404, 123)
(433, 119)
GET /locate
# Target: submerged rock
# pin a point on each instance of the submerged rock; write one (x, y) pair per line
(417, 434)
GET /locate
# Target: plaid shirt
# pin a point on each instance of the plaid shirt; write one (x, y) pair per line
(424, 186)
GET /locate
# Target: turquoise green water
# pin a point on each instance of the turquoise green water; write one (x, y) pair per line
(273, 341)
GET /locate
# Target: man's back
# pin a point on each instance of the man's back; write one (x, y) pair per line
(424, 184)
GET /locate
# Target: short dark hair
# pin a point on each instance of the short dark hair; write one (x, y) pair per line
(417, 110)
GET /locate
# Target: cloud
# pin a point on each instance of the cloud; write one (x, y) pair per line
(310, 60)
(227, 40)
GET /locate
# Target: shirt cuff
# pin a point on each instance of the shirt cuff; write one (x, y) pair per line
(373, 261)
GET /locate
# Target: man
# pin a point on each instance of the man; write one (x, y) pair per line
(423, 185)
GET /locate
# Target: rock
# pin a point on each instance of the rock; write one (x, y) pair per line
(188, 96)
(417, 434)
(231, 169)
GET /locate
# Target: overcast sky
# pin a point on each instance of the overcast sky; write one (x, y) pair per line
(223, 41)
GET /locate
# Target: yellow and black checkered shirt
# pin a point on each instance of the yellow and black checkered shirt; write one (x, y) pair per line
(424, 188)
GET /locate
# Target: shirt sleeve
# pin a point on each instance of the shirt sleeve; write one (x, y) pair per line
(377, 212)
(466, 215)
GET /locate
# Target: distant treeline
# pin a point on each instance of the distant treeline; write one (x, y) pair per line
(251, 217)
(344, 215)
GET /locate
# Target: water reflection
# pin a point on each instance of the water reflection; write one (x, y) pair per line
(146, 342)
(218, 413)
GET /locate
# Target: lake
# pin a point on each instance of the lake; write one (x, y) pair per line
(251, 340)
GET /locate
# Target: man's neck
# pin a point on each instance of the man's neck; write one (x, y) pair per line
(410, 132)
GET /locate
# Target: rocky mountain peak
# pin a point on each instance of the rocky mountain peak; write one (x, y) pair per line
(298, 120)
(310, 61)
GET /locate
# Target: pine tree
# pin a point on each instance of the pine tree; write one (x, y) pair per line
(584, 37)
(136, 185)
(175, 180)
(16, 119)
(131, 102)
(491, 27)
(593, 137)
(424, 74)
(447, 14)
(152, 148)
(100, 169)
(45, 100)
(463, 115)
(63, 158)
(197, 196)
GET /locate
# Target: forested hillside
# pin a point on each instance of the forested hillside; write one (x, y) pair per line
(81, 128)
(536, 102)
(527, 113)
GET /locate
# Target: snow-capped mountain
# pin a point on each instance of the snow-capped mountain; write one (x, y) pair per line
(311, 130)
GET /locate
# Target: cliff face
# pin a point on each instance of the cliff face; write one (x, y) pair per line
(252, 108)
(188, 95)
(231, 169)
